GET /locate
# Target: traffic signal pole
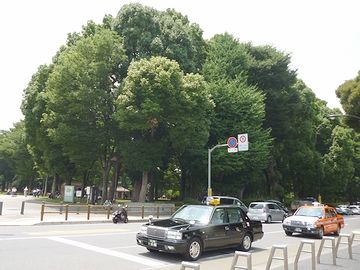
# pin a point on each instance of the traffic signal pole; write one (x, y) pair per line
(209, 166)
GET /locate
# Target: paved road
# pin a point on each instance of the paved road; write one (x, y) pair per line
(109, 246)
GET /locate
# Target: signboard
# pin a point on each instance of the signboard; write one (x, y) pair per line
(69, 193)
(232, 144)
(243, 143)
(78, 193)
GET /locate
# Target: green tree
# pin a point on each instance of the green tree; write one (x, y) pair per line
(81, 95)
(13, 150)
(349, 94)
(148, 32)
(339, 164)
(155, 110)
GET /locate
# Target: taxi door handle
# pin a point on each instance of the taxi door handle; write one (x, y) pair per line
(227, 228)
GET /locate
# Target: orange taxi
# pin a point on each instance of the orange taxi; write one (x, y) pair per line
(317, 220)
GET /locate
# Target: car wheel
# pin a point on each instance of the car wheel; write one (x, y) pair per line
(246, 242)
(320, 233)
(288, 233)
(268, 219)
(193, 250)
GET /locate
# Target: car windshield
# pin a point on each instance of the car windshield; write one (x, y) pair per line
(197, 213)
(310, 212)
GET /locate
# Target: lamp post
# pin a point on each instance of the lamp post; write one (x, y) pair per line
(209, 166)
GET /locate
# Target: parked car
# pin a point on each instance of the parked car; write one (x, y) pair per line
(280, 204)
(315, 220)
(266, 211)
(226, 200)
(355, 209)
(196, 228)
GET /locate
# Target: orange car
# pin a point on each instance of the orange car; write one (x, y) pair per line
(318, 220)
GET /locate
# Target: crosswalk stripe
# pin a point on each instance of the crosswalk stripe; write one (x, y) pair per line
(137, 259)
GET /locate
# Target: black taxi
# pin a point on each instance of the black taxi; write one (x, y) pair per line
(196, 228)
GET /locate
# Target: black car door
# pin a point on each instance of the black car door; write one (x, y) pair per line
(216, 232)
(236, 226)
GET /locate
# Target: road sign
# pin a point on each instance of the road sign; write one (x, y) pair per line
(232, 145)
(243, 143)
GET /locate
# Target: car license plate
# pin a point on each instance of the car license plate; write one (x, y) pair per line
(152, 243)
(297, 230)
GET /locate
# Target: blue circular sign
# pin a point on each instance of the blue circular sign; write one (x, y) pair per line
(232, 142)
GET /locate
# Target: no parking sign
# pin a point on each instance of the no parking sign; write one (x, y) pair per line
(243, 143)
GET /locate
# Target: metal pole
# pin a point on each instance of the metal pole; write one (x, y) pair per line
(1, 206)
(209, 166)
(22, 207)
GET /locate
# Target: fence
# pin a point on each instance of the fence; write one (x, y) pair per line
(104, 211)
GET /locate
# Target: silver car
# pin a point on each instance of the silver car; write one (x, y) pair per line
(266, 211)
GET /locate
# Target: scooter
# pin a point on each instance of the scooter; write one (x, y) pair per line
(120, 215)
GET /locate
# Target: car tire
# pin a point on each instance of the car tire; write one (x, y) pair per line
(268, 219)
(194, 249)
(320, 233)
(288, 233)
(246, 242)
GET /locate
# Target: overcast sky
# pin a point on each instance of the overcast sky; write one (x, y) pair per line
(322, 36)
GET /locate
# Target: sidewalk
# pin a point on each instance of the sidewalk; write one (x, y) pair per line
(11, 214)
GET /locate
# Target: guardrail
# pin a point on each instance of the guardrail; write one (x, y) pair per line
(91, 210)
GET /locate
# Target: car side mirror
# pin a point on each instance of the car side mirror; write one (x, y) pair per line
(151, 219)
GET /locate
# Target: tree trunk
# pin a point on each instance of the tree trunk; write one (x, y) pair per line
(114, 179)
(136, 191)
(143, 189)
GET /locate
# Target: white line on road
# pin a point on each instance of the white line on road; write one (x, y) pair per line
(105, 251)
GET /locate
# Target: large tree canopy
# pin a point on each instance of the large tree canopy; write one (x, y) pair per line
(349, 94)
(161, 109)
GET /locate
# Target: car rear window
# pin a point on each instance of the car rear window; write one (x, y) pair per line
(256, 205)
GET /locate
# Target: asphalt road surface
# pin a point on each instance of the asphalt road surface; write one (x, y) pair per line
(113, 246)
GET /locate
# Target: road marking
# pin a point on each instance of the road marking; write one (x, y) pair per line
(76, 232)
(137, 259)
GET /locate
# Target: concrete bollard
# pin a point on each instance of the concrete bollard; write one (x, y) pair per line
(190, 265)
(312, 252)
(333, 248)
(348, 243)
(272, 257)
(235, 260)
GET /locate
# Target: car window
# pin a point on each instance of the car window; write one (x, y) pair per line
(256, 206)
(234, 215)
(276, 207)
(218, 216)
(271, 206)
(226, 201)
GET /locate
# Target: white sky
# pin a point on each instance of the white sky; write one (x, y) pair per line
(322, 36)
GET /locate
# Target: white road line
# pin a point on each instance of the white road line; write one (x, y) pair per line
(144, 261)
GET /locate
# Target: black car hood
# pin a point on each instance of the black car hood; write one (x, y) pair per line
(171, 224)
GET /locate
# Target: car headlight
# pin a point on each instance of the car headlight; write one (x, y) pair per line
(175, 235)
(287, 222)
(143, 230)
